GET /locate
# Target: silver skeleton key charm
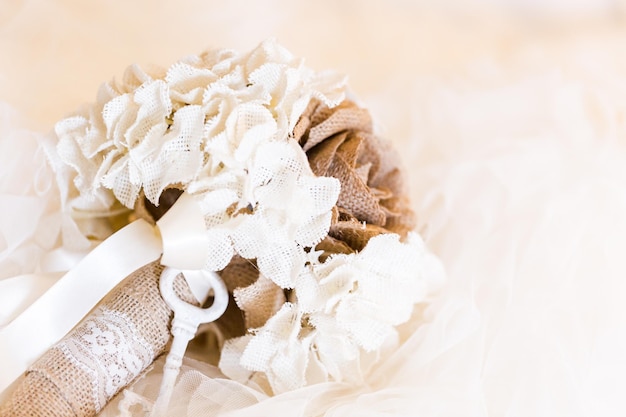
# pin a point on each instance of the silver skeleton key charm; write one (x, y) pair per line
(186, 320)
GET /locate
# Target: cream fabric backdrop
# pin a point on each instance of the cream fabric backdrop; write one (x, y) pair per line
(511, 118)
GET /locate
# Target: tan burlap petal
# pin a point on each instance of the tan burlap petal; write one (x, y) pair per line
(238, 273)
(354, 233)
(259, 301)
(331, 245)
(355, 196)
(325, 122)
(321, 157)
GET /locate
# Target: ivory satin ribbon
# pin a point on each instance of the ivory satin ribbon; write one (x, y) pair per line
(180, 237)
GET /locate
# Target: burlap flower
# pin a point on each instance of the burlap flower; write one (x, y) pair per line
(339, 142)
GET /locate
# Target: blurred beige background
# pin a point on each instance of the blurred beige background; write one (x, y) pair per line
(55, 53)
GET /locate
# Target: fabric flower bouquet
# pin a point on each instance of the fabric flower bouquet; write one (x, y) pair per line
(300, 212)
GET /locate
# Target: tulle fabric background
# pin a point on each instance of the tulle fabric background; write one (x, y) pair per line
(511, 119)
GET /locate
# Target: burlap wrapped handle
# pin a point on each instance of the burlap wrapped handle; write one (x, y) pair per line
(103, 354)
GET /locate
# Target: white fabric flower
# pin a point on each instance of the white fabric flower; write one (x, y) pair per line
(277, 350)
(292, 211)
(283, 209)
(344, 310)
(150, 152)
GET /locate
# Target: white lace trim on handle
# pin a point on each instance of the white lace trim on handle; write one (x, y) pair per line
(110, 349)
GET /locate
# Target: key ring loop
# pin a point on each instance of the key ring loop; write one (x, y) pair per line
(189, 312)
